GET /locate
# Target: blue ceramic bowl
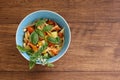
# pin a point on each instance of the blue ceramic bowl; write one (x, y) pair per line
(49, 15)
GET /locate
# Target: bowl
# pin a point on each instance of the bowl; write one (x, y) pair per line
(49, 15)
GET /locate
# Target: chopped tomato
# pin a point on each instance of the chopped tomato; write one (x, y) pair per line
(57, 28)
(54, 51)
(30, 29)
(50, 44)
(60, 34)
(40, 39)
(33, 47)
(45, 33)
(51, 22)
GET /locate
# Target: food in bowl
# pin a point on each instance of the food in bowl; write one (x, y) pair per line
(42, 40)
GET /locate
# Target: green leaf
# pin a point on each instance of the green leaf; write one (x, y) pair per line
(31, 64)
(58, 39)
(47, 28)
(40, 33)
(33, 59)
(34, 37)
(40, 22)
(50, 65)
(43, 47)
(22, 49)
(54, 40)
(36, 55)
(30, 53)
(51, 39)
(46, 56)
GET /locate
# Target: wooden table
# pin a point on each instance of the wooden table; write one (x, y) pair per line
(94, 53)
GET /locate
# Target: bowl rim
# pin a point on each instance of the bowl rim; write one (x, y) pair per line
(66, 48)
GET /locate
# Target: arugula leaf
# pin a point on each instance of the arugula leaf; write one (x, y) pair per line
(46, 56)
(51, 39)
(54, 40)
(43, 47)
(40, 33)
(50, 65)
(34, 37)
(58, 39)
(47, 28)
(40, 22)
(22, 49)
(36, 55)
(33, 59)
(30, 52)
(31, 64)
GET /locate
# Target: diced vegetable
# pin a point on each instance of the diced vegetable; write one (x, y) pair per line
(54, 51)
(39, 43)
(51, 44)
(35, 49)
(50, 22)
(43, 41)
(54, 34)
(30, 29)
(60, 34)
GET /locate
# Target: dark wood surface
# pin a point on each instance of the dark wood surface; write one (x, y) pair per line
(94, 52)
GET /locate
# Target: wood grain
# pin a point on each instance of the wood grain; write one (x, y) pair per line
(94, 47)
(60, 75)
(72, 11)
